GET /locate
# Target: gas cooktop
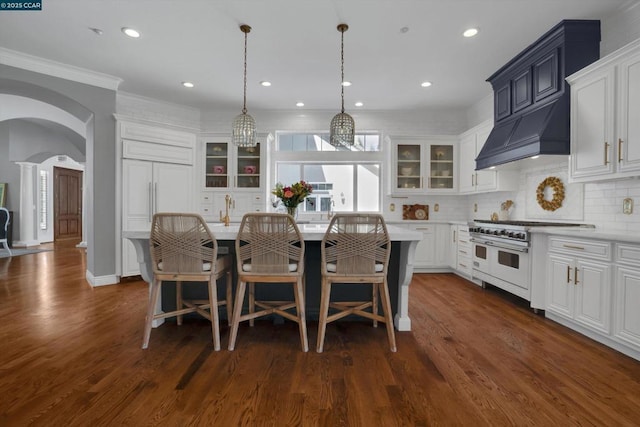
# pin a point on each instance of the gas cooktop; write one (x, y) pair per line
(532, 223)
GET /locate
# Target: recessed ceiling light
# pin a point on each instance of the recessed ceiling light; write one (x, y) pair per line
(265, 83)
(534, 157)
(404, 30)
(470, 32)
(131, 32)
(187, 84)
(359, 104)
(97, 31)
(492, 167)
(345, 83)
(299, 104)
(425, 84)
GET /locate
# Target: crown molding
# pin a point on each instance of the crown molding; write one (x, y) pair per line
(57, 69)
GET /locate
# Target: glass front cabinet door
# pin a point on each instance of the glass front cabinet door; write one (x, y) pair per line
(421, 167)
(248, 167)
(217, 165)
(441, 164)
(409, 167)
(230, 167)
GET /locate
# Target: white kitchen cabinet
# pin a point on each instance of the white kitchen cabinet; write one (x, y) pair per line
(472, 181)
(460, 250)
(605, 106)
(453, 246)
(464, 266)
(423, 166)
(433, 249)
(627, 296)
(212, 205)
(227, 167)
(148, 188)
(579, 282)
(158, 175)
(234, 171)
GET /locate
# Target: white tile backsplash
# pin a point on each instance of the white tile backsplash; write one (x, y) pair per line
(601, 203)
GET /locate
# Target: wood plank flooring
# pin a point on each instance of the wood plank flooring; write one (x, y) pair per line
(70, 356)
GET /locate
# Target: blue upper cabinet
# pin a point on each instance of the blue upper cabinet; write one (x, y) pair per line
(536, 75)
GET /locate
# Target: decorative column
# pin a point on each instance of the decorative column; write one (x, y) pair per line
(28, 236)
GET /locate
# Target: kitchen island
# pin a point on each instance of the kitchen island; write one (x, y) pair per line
(403, 245)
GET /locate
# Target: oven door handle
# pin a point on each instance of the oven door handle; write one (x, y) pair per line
(500, 246)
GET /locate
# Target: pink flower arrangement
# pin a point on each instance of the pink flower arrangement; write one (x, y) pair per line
(292, 195)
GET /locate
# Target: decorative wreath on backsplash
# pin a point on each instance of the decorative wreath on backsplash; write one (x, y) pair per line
(558, 193)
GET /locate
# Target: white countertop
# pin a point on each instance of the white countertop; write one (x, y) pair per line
(310, 232)
(588, 233)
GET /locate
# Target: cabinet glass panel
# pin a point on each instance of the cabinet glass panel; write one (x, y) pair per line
(217, 165)
(441, 162)
(248, 167)
(408, 166)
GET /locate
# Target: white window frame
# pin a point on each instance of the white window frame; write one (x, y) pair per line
(344, 157)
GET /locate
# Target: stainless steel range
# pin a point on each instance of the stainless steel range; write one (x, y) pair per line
(501, 253)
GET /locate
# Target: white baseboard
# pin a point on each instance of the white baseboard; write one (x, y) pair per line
(94, 281)
(25, 244)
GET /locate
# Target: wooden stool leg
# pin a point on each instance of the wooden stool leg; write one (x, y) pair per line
(252, 301)
(324, 311)
(237, 311)
(374, 303)
(153, 300)
(386, 308)
(213, 310)
(302, 321)
(179, 301)
(229, 298)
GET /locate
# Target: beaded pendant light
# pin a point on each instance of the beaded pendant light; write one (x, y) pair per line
(244, 126)
(342, 131)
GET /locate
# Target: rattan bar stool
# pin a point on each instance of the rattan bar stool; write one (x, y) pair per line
(183, 249)
(355, 250)
(269, 249)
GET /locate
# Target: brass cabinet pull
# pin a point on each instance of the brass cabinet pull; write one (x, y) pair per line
(573, 247)
(620, 149)
(575, 275)
(606, 153)
(454, 236)
(462, 265)
(422, 182)
(568, 274)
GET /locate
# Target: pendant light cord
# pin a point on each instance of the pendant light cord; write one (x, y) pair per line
(342, 67)
(244, 101)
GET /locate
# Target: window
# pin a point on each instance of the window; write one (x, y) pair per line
(288, 141)
(343, 180)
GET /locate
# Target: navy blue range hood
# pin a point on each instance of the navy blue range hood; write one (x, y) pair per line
(531, 97)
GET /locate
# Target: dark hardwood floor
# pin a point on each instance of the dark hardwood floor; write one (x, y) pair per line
(70, 356)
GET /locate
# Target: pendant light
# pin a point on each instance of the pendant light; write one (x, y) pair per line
(342, 129)
(244, 127)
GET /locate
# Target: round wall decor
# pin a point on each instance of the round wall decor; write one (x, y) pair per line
(558, 193)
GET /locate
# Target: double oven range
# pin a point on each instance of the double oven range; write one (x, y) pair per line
(501, 253)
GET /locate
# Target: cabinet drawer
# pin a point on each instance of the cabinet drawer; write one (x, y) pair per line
(581, 248)
(464, 265)
(628, 254)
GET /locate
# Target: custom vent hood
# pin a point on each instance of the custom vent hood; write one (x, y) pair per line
(531, 97)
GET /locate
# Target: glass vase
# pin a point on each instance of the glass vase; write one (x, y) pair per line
(293, 211)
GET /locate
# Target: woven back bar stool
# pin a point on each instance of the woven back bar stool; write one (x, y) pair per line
(269, 249)
(183, 249)
(355, 250)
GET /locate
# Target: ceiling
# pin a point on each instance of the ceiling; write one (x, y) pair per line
(295, 45)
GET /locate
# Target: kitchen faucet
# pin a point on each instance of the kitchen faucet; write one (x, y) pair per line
(227, 204)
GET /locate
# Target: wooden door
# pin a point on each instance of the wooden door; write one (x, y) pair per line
(67, 204)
